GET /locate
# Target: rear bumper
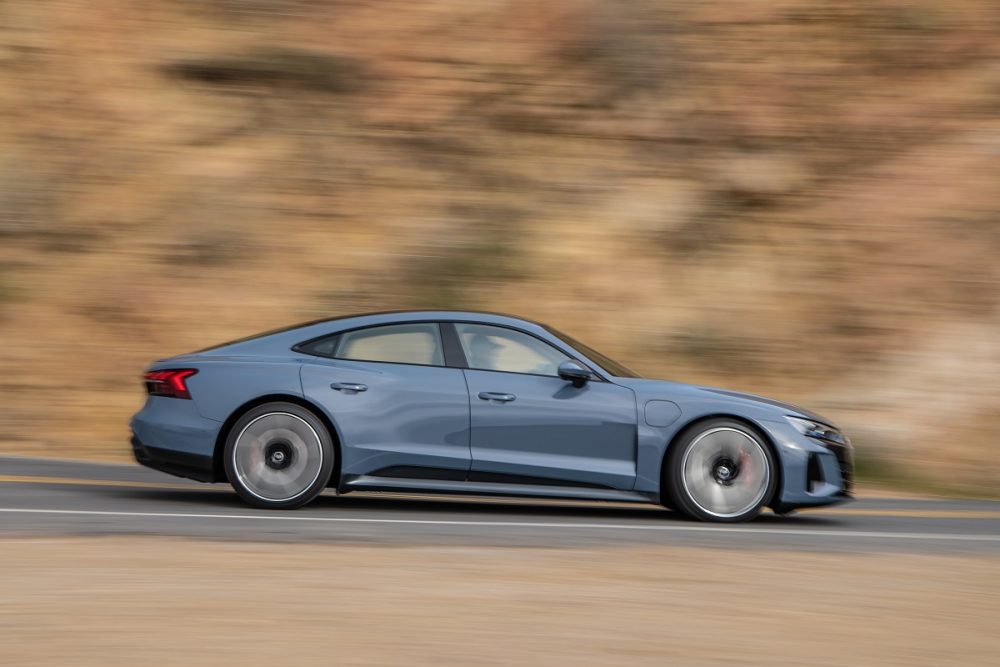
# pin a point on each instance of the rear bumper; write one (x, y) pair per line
(181, 464)
(169, 435)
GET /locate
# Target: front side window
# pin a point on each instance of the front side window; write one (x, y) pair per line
(490, 348)
(418, 343)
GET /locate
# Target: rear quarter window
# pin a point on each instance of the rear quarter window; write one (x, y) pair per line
(418, 343)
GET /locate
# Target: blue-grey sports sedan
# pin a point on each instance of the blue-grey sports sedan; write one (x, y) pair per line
(474, 403)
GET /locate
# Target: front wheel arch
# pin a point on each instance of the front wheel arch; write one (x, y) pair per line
(218, 462)
(698, 421)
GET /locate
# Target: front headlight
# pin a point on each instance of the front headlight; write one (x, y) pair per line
(818, 430)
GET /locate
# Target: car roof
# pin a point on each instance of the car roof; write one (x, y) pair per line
(298, 333)
(445, 314)
(390, 316)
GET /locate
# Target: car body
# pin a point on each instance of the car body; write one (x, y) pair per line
(479, 403)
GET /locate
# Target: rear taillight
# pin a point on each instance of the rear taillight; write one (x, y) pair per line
(171, 382)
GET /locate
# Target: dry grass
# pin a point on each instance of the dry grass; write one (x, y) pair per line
(790, 197)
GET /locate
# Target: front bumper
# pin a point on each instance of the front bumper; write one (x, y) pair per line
(814, 473)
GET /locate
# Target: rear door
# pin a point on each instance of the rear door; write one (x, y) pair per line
(530, 426)
(399, 410)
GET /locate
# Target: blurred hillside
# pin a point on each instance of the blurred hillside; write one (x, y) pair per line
(797, 198)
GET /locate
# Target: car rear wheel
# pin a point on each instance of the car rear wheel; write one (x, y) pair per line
(279, 456)
(721, 470)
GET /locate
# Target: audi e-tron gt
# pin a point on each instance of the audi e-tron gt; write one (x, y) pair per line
(474, 403)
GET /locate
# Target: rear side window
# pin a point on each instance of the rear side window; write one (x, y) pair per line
(418, 343)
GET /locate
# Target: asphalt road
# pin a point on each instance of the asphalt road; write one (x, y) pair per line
(45, 497)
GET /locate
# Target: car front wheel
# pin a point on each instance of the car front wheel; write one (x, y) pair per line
(279, 456)
(721, 470)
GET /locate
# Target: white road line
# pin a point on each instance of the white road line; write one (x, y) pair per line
(958, 537)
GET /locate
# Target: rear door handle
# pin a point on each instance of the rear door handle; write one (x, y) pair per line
(496, 396)
(354, 387)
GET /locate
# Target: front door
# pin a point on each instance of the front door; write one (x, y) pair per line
(530, 426)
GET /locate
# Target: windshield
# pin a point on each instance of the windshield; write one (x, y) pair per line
(608, 364)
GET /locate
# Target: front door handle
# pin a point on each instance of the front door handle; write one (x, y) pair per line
(353, 387)
(496, 396)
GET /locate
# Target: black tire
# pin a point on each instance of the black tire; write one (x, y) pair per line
(279, 456)
(720, 470)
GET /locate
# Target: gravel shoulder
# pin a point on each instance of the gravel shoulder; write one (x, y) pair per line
(173, 601)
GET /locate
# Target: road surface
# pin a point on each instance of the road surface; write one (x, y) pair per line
(67, 498)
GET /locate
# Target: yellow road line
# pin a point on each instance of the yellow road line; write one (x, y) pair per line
(33, 479)
(902, 513)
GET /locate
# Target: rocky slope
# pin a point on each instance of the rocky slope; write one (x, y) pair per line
(798, 198)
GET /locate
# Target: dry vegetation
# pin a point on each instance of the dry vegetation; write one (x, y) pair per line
(798, 197)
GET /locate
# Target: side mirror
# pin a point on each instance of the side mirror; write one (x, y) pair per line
(572, 371)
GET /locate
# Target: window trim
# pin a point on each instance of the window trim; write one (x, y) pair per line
(454, 353)
(454, 357)
(301, 347)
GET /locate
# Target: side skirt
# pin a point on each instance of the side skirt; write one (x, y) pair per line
(372, 483)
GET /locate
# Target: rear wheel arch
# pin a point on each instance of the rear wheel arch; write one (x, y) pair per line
(750, 424)
(218, 463)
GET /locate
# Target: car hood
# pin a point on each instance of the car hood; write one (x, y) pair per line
(665, 389)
